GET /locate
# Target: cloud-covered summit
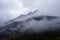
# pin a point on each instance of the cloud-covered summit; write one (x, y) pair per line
(30, 23)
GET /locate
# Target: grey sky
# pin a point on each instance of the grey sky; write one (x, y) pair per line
(12, 8)
(37, 3)
(46, 7)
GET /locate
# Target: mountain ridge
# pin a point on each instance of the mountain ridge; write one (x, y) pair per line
(28, 24)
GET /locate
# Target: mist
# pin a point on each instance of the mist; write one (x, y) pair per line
(11, 9)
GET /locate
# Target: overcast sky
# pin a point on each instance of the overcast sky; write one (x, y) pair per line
(46, 7)
(12, 8)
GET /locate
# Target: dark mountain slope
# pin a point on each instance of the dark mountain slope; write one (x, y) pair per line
(31, 27)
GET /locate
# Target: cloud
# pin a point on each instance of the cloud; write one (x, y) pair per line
(10, 9)
(46, 7)
(32, 23)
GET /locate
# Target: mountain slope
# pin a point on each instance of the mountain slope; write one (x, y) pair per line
(32, 26)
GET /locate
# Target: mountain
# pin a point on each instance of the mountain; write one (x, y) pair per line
(31, 26)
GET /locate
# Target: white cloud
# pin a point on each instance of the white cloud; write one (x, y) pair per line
(48, 7)
(11, 8)
(37, 3)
